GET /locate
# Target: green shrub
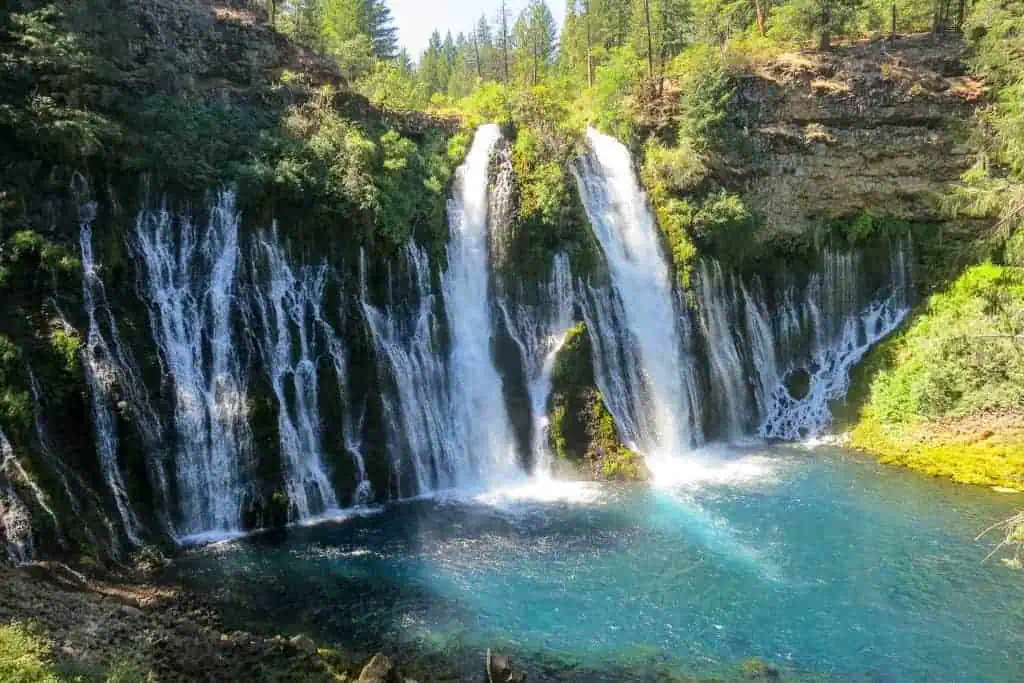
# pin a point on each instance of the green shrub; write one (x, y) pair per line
(25, 656)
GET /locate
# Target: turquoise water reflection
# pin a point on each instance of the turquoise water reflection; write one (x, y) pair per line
(817, 560)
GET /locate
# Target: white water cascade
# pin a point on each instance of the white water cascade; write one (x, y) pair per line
(406, 336)
(642, 371)
(540, 329)
(189, 278)
(352, 424)
(479, 415)
(846, 322)
(15, 515)
(290, 311)
(101, 375)
(716, 301)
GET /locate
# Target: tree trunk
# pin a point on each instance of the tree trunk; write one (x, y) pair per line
(476, 51)
(892, 33)
(504, 41)
(760, 17)
(650, 42)
(590, 57)
(825, 41)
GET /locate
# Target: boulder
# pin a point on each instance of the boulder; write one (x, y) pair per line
(380, 670)
(303, 643)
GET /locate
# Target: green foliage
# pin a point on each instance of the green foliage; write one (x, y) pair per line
(616, 462)
(572, 365)
(962, 355)
(995, 186)
(393, 86)
(704, 90)
(25, 657)
(15, 403)
(668, 173)
(959, 360)
(68, 347)
(611, 100)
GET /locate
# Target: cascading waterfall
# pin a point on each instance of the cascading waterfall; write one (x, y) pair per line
(190, 282)
(539, 330)
(846, 321)
(352, 429)
(102, 378)
(645, 361)
(762, 347)
(406, 337)
(716, 301)
(818, 330)
(479, 413)
(66, 474)
(15, 516)
(289, 308)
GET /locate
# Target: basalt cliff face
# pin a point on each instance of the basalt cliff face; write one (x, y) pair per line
(879, 128)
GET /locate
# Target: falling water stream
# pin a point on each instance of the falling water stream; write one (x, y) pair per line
(637, 317)
(189, 273)
(488, 452)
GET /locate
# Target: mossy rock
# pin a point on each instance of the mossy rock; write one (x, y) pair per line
(582, 432)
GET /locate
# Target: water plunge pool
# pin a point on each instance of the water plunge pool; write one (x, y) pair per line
(822, 562)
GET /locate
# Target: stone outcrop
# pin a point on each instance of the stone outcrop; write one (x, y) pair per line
(870, 127)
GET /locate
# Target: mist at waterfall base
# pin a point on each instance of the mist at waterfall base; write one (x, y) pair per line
(819, 561)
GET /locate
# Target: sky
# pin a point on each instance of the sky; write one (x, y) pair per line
(417, 19)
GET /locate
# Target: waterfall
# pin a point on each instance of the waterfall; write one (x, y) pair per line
(406, 338)
(189, 279)
(716, 303)
(66, 474)
(539, 330)
(289, 308)
(15, 526)
(846, 320)
(15, 516)
(634, 326)
(352, 429)
(102, 378)
(479, 412)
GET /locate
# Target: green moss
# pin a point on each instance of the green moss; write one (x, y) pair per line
(573, 364)
(997, 460)
(549, 215)
(945, 395)
(68, 346)
(557, 429)
(608, 456)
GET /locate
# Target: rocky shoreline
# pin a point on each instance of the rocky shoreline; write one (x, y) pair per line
(59, 624)
(142, 631)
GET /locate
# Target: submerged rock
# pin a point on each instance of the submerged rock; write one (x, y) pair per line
(501, 670)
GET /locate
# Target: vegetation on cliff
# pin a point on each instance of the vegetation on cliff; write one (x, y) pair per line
(582, 433)
(946, 392)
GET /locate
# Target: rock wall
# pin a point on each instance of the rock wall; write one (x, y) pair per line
(878, 127)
